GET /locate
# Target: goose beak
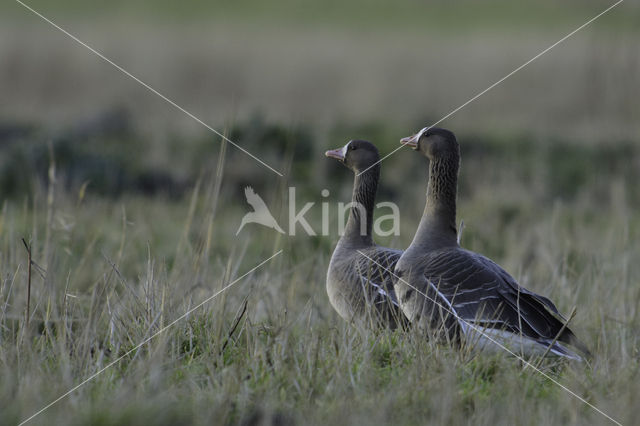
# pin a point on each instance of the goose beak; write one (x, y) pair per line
(411, 141)
(337, 153)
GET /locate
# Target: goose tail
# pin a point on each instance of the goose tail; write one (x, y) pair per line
(572, 340)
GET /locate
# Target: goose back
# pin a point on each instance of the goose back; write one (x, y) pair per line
(360, 286)
(470, 294)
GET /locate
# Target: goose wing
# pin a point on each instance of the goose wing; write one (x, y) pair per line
(480, 292)
(374, 272)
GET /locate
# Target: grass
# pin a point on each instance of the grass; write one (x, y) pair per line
(136, 223)
(124, 264)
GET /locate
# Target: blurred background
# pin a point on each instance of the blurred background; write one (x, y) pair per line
(289, 79)
(305, 63)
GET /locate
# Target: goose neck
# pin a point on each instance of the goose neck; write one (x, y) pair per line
(438, 223)
(360, 222)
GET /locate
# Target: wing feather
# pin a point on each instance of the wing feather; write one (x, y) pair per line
(375, 274)
(481, 292)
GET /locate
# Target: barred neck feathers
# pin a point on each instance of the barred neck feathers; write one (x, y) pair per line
(360, 222)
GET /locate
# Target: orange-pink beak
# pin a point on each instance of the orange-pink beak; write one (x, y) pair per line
(337, 153)
(411, 141)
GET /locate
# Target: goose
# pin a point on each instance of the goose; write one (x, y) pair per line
(359, 278)
(457, 294)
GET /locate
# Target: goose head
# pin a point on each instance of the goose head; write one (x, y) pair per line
(433, 143)
(357, 155)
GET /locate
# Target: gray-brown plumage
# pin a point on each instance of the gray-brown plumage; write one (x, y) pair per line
(359, 281)
(468, 295)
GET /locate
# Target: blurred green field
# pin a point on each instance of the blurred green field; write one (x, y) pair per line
(305, 64)
(131, 208)
(441, 15)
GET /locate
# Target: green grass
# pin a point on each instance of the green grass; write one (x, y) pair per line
(123, 264)
(139, 226)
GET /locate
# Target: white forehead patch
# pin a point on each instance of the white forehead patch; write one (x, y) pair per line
(345, 149)
(419, 135)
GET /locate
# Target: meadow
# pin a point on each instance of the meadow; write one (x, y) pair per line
(113, 268)
(129, 213)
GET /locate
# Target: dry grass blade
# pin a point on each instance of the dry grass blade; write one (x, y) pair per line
(555, 339)
(236, 322)
(28, 248)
